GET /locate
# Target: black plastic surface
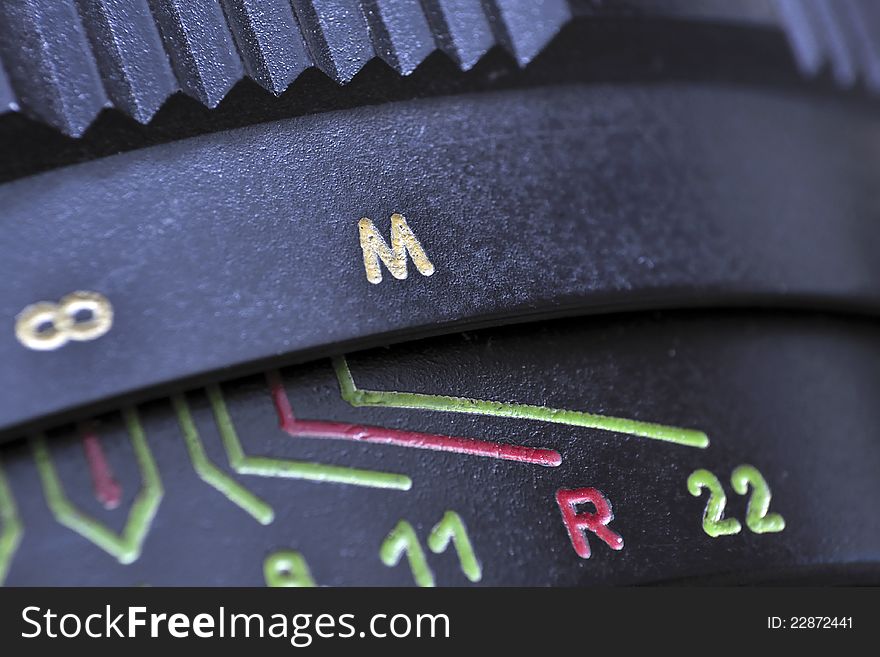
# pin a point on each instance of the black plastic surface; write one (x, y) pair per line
(652, 156)
(240, 247)
(793, 395)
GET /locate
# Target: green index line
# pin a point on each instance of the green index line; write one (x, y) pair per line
(10, 538)
(273, 467)
(213, 476)
(126, 547)
(357, 397)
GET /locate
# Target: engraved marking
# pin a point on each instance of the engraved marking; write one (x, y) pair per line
(577, 524)
(344, 431)
(403, 539)
(273, 467)
(107, 490)
(388, 399)
(403, 241)
(126, 547)
(714, 522)
(757, 517)
(46, 326)
(213, 476)
(451, 528)
(287, 568)
(12, 529)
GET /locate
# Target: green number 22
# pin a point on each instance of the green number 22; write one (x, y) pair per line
(758, 518)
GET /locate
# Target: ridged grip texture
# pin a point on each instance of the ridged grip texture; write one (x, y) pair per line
(843, 35)
(63, 61)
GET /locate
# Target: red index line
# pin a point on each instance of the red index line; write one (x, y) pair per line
(107, 489)
(344, 431)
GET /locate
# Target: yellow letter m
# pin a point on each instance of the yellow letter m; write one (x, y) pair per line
(403, 241)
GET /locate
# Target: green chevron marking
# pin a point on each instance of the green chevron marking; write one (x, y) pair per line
(10, 538)
(273, 467)
(213, 476)
(126, 547)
